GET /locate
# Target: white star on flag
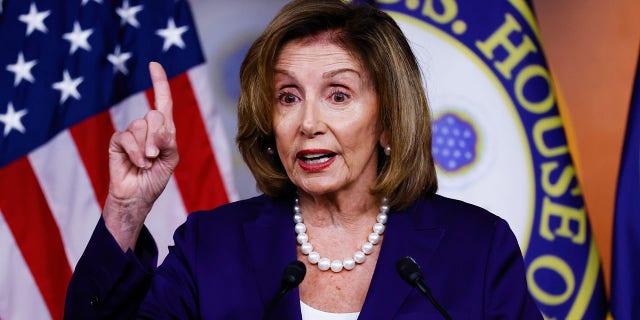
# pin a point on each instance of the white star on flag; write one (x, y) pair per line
(12, 120)
(0, 6)
(22, 70)
(172, 35)
(118, 60)
(128, 14)
(87, 1)
(78, 38)
(35, 19)
(68, 87)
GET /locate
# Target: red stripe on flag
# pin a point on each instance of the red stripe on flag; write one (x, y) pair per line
(36, 233)
(197, 175)
(92, 138)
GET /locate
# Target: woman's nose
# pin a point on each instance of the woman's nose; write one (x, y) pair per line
(312, 123)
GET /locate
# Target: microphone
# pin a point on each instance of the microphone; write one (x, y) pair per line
(291, 278)
(410, 272)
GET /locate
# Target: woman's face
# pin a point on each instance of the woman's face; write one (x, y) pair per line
(325, 118)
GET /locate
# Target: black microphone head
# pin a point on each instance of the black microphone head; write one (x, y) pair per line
(409, 270)
(293, 274)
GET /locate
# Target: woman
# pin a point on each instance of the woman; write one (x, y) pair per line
(334, 124)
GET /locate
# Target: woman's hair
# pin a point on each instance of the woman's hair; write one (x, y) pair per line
(376, 41)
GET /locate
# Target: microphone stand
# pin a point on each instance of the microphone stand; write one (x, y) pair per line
(293, 275)
(410, 272)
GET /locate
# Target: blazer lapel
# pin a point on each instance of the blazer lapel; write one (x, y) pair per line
(271, 245)
(413, 232)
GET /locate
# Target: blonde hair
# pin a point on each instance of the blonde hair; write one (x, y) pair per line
(377, 42)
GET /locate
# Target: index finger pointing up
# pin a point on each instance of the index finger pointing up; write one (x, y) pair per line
(162, 93)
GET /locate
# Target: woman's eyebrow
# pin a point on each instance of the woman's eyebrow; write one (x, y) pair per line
(333, 73)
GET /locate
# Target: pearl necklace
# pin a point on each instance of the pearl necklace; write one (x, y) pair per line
(350, 262)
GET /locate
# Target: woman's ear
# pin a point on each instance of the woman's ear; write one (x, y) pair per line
(385, 139)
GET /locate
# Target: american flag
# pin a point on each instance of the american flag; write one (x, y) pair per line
(72, 73)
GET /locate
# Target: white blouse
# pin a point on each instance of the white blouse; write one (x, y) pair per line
(309, 313)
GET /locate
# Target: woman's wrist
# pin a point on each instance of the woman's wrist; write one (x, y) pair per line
(124, 219)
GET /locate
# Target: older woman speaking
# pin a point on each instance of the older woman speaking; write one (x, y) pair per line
(335, 127)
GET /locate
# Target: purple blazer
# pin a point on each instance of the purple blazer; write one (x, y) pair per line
(227, 264)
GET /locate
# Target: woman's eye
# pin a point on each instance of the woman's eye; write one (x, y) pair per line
(339, 97)
(287, 98)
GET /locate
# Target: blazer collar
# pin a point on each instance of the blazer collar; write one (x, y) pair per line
(413, 232)
(271, 245)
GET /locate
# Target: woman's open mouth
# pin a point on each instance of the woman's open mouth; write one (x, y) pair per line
(315, 160)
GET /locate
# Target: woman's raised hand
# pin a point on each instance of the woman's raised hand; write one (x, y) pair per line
(141, 161)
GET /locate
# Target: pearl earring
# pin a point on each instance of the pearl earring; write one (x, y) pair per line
(270, 151)
(387, 150)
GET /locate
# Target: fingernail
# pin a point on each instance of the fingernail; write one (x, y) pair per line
(152, 151)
